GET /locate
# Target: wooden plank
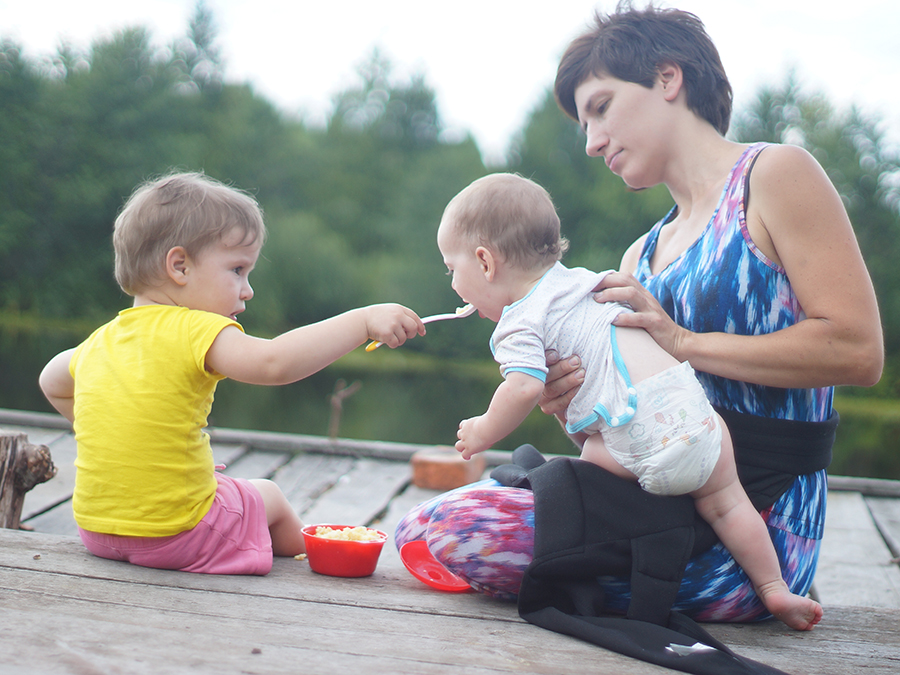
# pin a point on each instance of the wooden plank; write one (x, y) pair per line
(78, 614)
(36, 435)
(269, 440)
(27, 418)
(173, 631)
(228, 453)
(389, 589)
(256, 464)
(856, 637)
(58, 520)
(308, 476)
(849, 640)
(873, 487)
(361, 495)
(153, 624)
(886, 514)
(854, 562)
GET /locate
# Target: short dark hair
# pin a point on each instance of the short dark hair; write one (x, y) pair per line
(631, 44)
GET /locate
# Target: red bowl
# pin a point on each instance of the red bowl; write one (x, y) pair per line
(341, 557)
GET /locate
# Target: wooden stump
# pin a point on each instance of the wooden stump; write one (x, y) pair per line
(22, 466)
(443, 468)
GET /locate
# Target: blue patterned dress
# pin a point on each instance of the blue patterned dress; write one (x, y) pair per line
(722, 283)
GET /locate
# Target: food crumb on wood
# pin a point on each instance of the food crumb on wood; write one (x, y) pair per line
(300, 556)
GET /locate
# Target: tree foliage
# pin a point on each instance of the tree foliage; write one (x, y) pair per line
(352, 207)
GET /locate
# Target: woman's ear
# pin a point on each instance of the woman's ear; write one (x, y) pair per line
(487, 261)
(177, 265)
(671, 79)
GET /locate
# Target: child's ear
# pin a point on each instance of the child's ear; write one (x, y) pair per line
(487, 261)
(177, 265)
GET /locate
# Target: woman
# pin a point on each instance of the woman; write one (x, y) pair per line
(767, 297)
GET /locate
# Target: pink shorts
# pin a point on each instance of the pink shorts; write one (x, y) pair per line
(233, 538)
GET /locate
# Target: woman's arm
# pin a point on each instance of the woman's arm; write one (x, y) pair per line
(797, 219)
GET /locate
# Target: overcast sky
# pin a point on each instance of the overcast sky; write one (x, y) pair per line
(488, 60)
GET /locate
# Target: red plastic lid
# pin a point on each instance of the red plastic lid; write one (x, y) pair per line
(425, 567)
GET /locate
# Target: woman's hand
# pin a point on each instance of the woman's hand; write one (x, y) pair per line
(564, 379)
(648, 313)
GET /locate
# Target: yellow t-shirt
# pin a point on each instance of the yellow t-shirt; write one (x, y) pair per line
(142, 396)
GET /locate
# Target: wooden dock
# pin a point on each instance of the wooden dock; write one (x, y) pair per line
(65, 611)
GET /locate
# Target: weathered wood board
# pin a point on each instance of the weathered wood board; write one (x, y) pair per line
(855, 565)
(78, 614)
(74, 613)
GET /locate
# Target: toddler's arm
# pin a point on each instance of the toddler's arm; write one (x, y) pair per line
(58, 386)
(516, 396)
(303, 351)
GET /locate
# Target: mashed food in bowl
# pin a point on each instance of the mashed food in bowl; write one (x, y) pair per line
(359, 533)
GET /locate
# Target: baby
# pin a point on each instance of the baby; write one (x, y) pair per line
(640, 414)
(140, 388)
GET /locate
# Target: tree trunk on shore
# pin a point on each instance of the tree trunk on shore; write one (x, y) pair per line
(22, 466)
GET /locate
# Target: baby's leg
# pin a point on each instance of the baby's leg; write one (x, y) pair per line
(285, 525)
(595, 451)
(724, 504)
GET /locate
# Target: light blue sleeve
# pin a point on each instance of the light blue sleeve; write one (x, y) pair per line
(534, 372)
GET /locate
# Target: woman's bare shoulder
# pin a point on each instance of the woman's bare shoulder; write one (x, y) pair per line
(790, 193)
(632, 255)
(785, 163)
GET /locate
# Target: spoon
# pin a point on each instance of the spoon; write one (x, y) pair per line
(460, 312)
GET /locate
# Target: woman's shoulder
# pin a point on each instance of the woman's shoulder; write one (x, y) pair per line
(784, 163)
(632, 255)
(788, 186)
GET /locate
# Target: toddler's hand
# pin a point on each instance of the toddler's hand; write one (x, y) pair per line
(392, 324)
(470, 443)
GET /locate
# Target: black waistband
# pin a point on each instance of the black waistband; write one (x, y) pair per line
(785, 446)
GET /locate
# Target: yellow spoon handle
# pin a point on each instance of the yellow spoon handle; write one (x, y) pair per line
(461, 312)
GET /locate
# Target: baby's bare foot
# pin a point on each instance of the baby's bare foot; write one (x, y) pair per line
(795, 611)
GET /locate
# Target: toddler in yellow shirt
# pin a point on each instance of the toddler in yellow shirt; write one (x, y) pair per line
(139, 389)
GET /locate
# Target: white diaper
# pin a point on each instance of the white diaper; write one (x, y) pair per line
(674, 439)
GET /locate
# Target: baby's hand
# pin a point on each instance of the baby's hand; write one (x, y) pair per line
(392, 324)
(470, 443)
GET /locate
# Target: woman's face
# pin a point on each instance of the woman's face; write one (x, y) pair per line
(624, 123)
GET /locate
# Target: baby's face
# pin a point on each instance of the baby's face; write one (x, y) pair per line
(467, 271)
(218, 278)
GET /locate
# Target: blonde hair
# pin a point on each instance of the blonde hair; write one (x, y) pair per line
(511, 214)
(181, 209)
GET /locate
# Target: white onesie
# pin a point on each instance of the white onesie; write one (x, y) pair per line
(560, 314)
